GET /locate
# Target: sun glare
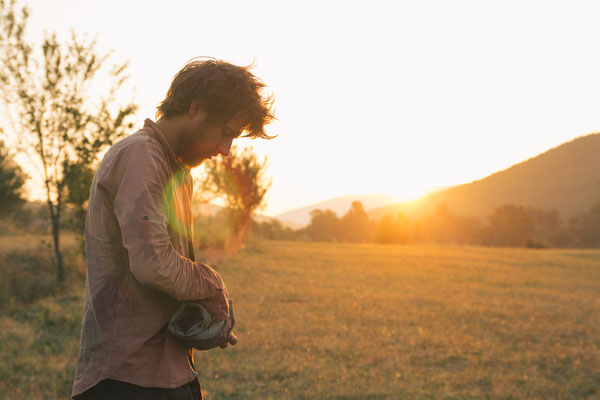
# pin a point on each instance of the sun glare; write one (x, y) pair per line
(411, 191)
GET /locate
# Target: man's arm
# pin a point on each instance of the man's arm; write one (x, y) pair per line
(153, 261)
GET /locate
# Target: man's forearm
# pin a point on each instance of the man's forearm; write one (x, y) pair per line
(169, 272)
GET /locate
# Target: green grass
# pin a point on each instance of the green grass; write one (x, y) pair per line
(344, 321)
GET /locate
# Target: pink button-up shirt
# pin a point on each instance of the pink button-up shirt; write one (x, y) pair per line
(138, 249)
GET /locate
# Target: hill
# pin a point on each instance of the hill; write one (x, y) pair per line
(565, 178)
(301, 216)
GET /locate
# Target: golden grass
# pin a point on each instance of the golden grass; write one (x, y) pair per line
(344, 321)
(33, 242)
(410, 322)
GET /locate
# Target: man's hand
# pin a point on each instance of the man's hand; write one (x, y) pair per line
(231, 338)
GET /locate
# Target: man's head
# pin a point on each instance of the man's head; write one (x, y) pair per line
(214, 102)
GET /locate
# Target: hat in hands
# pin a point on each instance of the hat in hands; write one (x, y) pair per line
(197, 327)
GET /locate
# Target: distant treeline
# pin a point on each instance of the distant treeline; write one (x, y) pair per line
(507, 225)
(34, 218)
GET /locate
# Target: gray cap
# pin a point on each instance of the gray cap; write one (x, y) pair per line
(197, 327)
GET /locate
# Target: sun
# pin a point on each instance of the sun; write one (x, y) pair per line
(406, 192)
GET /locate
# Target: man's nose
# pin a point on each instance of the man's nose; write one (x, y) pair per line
(225, 147)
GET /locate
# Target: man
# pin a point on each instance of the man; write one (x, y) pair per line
(139, 253)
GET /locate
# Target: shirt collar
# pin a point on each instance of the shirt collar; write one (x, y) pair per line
(152, 126)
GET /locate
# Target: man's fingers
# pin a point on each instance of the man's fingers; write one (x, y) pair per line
(225, 330)
(232, 338)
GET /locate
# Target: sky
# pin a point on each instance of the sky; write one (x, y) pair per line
(393, 97)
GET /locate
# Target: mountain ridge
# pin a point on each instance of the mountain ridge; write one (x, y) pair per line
(565, 178)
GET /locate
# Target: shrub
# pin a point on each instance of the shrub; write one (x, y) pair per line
(535, 244)
(26, 277)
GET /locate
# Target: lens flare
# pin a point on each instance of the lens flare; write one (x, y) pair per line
(177, 201)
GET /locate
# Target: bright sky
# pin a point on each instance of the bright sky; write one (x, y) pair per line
(372, 97)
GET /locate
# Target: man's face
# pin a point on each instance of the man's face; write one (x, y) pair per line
(201, 141)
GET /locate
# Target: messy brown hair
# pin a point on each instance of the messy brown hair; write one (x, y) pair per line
(223, 90)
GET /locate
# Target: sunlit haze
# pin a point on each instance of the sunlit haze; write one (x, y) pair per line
(371, 97)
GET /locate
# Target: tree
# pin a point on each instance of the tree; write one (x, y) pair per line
(78, 180)
(48, 102)
(12, 179)
(241, 180)
(549, 229)
(355, 225)
(392, 229)
(585, 228)
(273, 229)
(442, 226)
(510, 225)
(324, 226)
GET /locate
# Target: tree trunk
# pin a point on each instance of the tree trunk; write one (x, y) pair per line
(55, 222)
(240, 231)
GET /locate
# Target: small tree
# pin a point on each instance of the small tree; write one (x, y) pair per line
(78, 181)
(510, 225)
(11, 183)
(240, 178)
(324, 226)
(355, 225)
(47, 100)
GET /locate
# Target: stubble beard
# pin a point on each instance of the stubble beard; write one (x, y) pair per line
(185, 145)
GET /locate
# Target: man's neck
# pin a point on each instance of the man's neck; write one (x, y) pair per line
(171, 130)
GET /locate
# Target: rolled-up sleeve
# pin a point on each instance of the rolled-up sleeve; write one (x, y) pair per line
(153, 261)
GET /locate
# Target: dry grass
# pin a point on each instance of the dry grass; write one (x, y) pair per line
(414, 322)
(35, 243)
(344, 321)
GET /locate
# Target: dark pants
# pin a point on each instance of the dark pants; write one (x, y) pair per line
(109, 389)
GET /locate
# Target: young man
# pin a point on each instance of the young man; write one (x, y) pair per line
(139, 253)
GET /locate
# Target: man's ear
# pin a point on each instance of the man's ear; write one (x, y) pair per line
(197, 111)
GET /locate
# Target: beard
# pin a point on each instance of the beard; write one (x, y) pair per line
(186, 145)
(190, 159)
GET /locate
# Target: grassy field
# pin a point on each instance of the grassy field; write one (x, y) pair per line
(344, 321)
